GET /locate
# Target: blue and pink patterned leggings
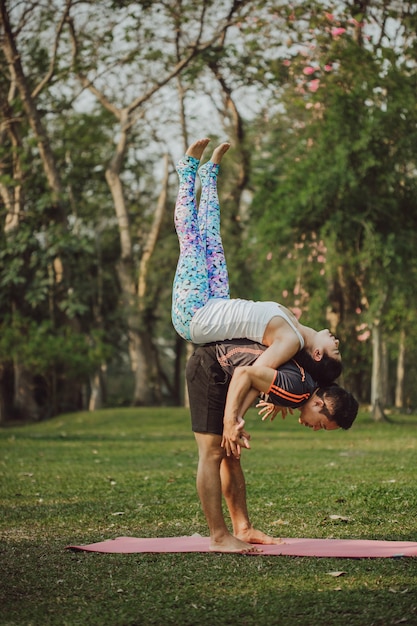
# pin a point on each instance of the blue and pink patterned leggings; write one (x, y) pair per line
(201, 271)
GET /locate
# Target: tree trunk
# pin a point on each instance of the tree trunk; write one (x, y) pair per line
(378, 414)
(148, 379)
(385, 387)
(3, 401)
(13, 59)
(97, 389)
(399, 385)
(24, 403)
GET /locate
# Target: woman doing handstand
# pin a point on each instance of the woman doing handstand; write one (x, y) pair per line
(202, 310)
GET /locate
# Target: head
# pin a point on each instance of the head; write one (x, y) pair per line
(329, 408)
(323, 361)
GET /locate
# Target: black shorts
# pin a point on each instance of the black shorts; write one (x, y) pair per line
(207, 386)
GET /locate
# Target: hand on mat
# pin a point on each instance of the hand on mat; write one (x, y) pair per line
(235, 437)
(271, 410)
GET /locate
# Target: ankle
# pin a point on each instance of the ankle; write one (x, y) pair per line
(208, 170)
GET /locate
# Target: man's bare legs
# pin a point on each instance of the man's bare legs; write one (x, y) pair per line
(217, 475)
(210, 456)
(234, 492)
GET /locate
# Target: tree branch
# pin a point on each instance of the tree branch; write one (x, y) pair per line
(51, 69)
(153, 234)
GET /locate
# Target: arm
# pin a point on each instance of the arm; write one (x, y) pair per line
(279, 352)
(241, 396)
(245, 380)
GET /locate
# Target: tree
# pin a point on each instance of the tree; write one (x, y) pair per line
(152, 59)
(349, 165)
(42, 245)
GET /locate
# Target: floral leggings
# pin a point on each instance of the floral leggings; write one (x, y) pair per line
(201, 271)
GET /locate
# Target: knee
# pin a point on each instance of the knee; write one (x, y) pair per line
(211, 454)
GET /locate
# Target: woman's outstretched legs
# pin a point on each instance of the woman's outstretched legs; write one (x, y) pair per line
(191, 288)
(209, 223)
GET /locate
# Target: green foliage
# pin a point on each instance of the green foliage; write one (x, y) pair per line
(326, 91)
(84, 478)
(338, 163)
(45, 350)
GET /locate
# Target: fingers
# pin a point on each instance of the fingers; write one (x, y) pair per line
(233, 444)
(231, 447)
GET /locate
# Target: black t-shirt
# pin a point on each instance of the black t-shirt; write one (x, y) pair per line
(292, 385)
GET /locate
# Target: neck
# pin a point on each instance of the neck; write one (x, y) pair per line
(309, 335)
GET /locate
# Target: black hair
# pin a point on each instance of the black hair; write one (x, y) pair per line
(325, 371)
(340, 406)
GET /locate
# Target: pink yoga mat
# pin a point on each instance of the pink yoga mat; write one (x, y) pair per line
(341, 548)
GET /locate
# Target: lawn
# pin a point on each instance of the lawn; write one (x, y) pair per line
(84, 477)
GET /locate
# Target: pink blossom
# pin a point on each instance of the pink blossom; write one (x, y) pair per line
(321, 259)
(313, 85)
(285, 293)
(286, 62)
(329, 16)
(309, 70)
(322, 272)
(328, 67)
(364, 335)
(297, 311)
(356, 23)
(336, 32)
(296, 290)
(358, 310)
(269, 256)
(309, 105)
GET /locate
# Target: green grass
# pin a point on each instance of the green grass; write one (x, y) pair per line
(83, 478)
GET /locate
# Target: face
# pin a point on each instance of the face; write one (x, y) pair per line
(327, 343)
(312, 417)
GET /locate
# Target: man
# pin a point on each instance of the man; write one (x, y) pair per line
(219, 473)
(325, 407)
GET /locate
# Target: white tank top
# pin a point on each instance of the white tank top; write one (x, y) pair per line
(223, 319)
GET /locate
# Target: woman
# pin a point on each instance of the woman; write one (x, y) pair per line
(202, 310)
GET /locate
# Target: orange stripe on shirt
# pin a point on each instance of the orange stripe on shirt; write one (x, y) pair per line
(287, 395)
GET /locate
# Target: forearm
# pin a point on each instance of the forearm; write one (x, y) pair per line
(278, 353)
(248, 401)
(240, 387)
(246, 384)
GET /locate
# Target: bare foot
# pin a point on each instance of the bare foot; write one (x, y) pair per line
(218, 152)
(197, 148)
(229, 543)
(251, 535)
